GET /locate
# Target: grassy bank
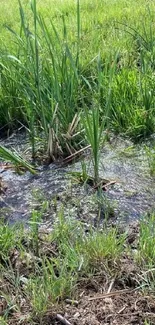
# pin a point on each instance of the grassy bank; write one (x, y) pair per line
(45, 273)
(60, 62)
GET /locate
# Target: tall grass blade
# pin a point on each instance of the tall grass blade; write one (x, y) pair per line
(16, 159)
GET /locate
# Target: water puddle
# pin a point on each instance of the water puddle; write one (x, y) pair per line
(131, 197)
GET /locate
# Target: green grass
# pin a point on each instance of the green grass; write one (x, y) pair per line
(50, 77)
(150, 152)
(46, 269)
(8, 239)
(40, 270)
(68, 71)
(19, 162)
(147, 241)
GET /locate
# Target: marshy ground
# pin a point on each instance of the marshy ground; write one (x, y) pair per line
(129, 196)
(74, 249)
(89, 255)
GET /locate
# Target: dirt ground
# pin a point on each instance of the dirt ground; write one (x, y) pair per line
(99, 300)
(107, 298)
(119, 307)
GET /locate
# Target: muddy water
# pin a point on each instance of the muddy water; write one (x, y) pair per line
(134, 191)
(130, 198)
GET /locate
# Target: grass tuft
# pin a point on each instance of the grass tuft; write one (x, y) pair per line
(147, 241)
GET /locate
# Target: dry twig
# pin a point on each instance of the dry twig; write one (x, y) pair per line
(72, 302)
(62, 319)
(75, 154)
(111, 294)
(111, 286)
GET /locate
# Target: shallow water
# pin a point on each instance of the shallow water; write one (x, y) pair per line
(134, 190)
(131, 197)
